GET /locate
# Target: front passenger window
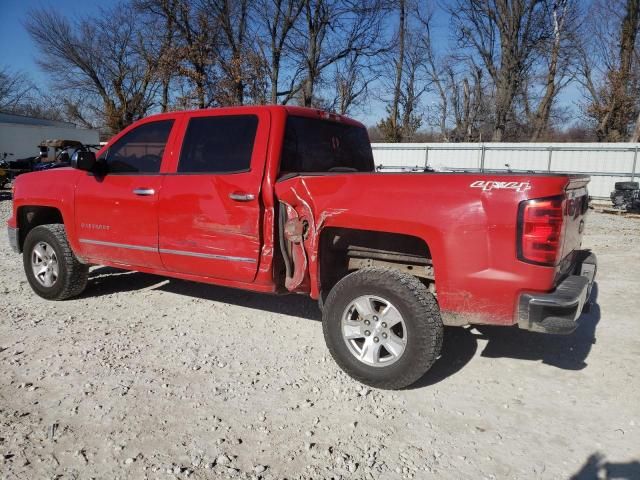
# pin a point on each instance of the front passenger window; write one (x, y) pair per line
(140, 150)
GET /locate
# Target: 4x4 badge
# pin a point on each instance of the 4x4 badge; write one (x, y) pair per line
(487, 185)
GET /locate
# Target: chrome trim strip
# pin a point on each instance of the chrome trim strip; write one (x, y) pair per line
(118, 245)
(169, 251)
(208, 255)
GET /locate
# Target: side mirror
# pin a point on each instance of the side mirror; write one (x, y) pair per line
(84, 160)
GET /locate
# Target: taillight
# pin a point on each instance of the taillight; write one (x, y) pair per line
(540, 230)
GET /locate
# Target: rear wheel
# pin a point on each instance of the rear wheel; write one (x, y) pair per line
(52, 269)
(382, 327)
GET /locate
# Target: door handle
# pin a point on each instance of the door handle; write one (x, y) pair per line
(144, 192)
(241, 196)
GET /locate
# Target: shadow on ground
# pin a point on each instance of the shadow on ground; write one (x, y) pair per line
(458, 348)
(568, 352)
(596, 468)
(5, 195)
(107, 281)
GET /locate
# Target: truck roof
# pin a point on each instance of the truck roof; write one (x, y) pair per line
(289, 109)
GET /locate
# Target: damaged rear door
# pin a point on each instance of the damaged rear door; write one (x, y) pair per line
(323, 144)
(296, 226)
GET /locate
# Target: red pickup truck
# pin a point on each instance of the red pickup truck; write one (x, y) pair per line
(283, 199)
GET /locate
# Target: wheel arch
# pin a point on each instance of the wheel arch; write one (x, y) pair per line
(31, 216)
(342, 250)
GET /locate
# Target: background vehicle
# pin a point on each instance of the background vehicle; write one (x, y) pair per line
(626, 196)
(4, 169)
(285, 199)
(53, 154)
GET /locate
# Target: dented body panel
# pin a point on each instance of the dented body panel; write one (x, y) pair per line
(470, 231)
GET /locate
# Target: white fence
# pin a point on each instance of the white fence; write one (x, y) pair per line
(607, 163)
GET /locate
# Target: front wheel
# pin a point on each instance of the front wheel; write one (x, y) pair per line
(52, 269)
(382, 327)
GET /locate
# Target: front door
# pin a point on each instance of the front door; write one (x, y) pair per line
(209, 209)
(116, 212)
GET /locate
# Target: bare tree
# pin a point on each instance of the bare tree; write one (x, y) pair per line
(352, 80)
(474, 102)
(408, 74)
(20, 95)
(191, 55)
(470, 103)
(414, 85)
(505, 35)
(98, 58)
(329, 31)
(276, 18)
(232, 51)
(557, 53)
(464, 108)
(16, 90)
(215, 48)
(438, 77)
(355, 79)
(636, 131)
(399, 69)
(160, 48)
(390, 126)
(440, 74)
(610, 68)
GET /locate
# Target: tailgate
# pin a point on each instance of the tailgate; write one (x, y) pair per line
(575, 210)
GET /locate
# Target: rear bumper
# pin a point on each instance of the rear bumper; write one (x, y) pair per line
(12, 233)
(559, 311)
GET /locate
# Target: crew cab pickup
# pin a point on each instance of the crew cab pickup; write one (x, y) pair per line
(279, 199)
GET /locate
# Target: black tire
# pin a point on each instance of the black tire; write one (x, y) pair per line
(627, 186)
(72, 275)
(419, 311)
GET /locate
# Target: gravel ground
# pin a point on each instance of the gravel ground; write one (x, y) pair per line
(144, 377)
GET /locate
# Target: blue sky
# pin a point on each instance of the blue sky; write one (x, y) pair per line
(16, 48)
(18, 51)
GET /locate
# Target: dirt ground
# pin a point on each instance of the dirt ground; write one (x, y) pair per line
(144, 377)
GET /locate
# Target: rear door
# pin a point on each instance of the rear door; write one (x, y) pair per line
(209, 207)
(116, 213)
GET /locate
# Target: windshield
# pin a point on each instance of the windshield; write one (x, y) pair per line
(314, 145)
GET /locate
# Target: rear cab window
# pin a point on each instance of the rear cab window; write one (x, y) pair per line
(313, 145)
(218, 144)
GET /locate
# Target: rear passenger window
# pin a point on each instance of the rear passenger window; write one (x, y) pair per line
(222, 144)
(141, 149)
(315, 145)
